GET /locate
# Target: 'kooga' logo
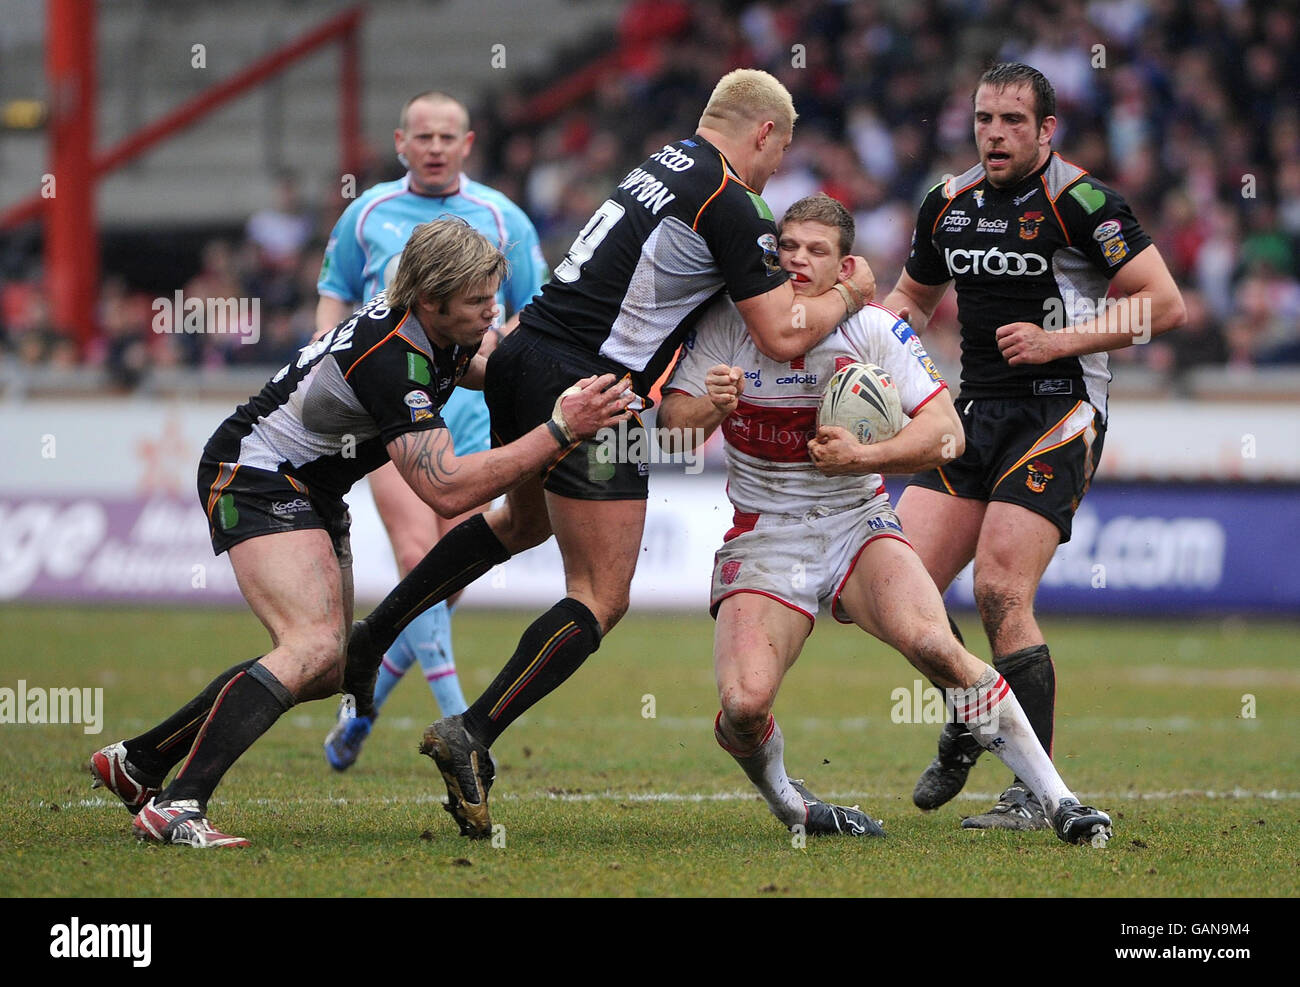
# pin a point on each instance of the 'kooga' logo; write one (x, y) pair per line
(75, 941)
(994, 261)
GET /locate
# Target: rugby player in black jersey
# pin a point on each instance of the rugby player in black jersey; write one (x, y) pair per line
(684, 226)
(272, 480)
(1033, 244)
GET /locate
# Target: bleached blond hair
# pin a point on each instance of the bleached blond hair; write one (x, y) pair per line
(747, 97)
(441, 259)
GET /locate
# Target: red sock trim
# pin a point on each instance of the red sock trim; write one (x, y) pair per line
(767, 735)
(203, 730)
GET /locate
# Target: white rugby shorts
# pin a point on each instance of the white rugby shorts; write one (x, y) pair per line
(800, 560)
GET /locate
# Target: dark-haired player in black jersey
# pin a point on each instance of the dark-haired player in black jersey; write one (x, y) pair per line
(686, 225)
(1033, 245)
(272, 480)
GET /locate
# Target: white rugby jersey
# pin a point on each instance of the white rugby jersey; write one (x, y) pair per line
(768, 468)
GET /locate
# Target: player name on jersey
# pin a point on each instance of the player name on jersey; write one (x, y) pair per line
(647, 190)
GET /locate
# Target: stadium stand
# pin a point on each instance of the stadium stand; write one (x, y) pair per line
(1188, 107)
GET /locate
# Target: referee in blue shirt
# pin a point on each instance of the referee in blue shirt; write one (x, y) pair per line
(432, 140)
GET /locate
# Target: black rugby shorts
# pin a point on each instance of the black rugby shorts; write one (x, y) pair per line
(1039, 453)
(525, 375)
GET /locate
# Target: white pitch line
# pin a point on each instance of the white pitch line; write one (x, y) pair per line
(703, 726)
(1273, 795)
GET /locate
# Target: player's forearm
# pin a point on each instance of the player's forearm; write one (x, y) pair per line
(812, 319)
(685, 422)
(929, 440)
(918, 313)
(452, 485)
(329, 313)
(474, 373)
(784, 326)
(1130, 321)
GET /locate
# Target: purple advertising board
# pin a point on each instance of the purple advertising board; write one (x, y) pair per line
(1174, 549)
(1139, 549)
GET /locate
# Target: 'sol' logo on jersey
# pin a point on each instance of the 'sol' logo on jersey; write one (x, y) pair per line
(1038, 475)
(730, 570)
(1029, 224)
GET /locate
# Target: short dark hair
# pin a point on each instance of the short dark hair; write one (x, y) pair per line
(431, 96)
(1018, 73)
(821, 208)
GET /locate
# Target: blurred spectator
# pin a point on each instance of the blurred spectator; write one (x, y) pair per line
(1190, 107)
(126, 321)
(282, 231)
(1200, 341)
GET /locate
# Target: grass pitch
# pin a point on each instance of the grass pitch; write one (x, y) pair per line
(1185, 732)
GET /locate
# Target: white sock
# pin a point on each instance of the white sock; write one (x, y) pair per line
(765, 766)
(995, 719)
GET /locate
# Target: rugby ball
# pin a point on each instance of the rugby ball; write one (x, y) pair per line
(862, 399)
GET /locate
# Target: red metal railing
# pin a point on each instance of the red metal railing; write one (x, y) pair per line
(71, 231)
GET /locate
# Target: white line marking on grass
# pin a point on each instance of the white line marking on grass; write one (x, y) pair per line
(1273, 795)
(1223, 678)
(703, 726)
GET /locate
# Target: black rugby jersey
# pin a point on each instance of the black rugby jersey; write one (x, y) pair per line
(1041, 252)
(325, 419)
(676, 231)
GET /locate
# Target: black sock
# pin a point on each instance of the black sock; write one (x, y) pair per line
(956, 631)
(246, 709)
(155, 752)
(460, 557)
(1032, 677)
(549, 652)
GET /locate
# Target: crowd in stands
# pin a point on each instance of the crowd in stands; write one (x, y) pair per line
(1190, 108)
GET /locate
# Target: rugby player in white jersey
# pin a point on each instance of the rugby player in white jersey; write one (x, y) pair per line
(687, 224)
(811, 502)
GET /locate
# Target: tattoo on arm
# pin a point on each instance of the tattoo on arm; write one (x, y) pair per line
(428, 455)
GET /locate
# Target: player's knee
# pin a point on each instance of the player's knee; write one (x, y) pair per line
(319, 652)
(519, 531)
(746, 709)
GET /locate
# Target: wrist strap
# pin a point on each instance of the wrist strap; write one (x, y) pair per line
(850, 302)
(558, 433)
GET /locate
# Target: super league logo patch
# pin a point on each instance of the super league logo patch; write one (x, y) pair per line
(420, 404)
(730, 570)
